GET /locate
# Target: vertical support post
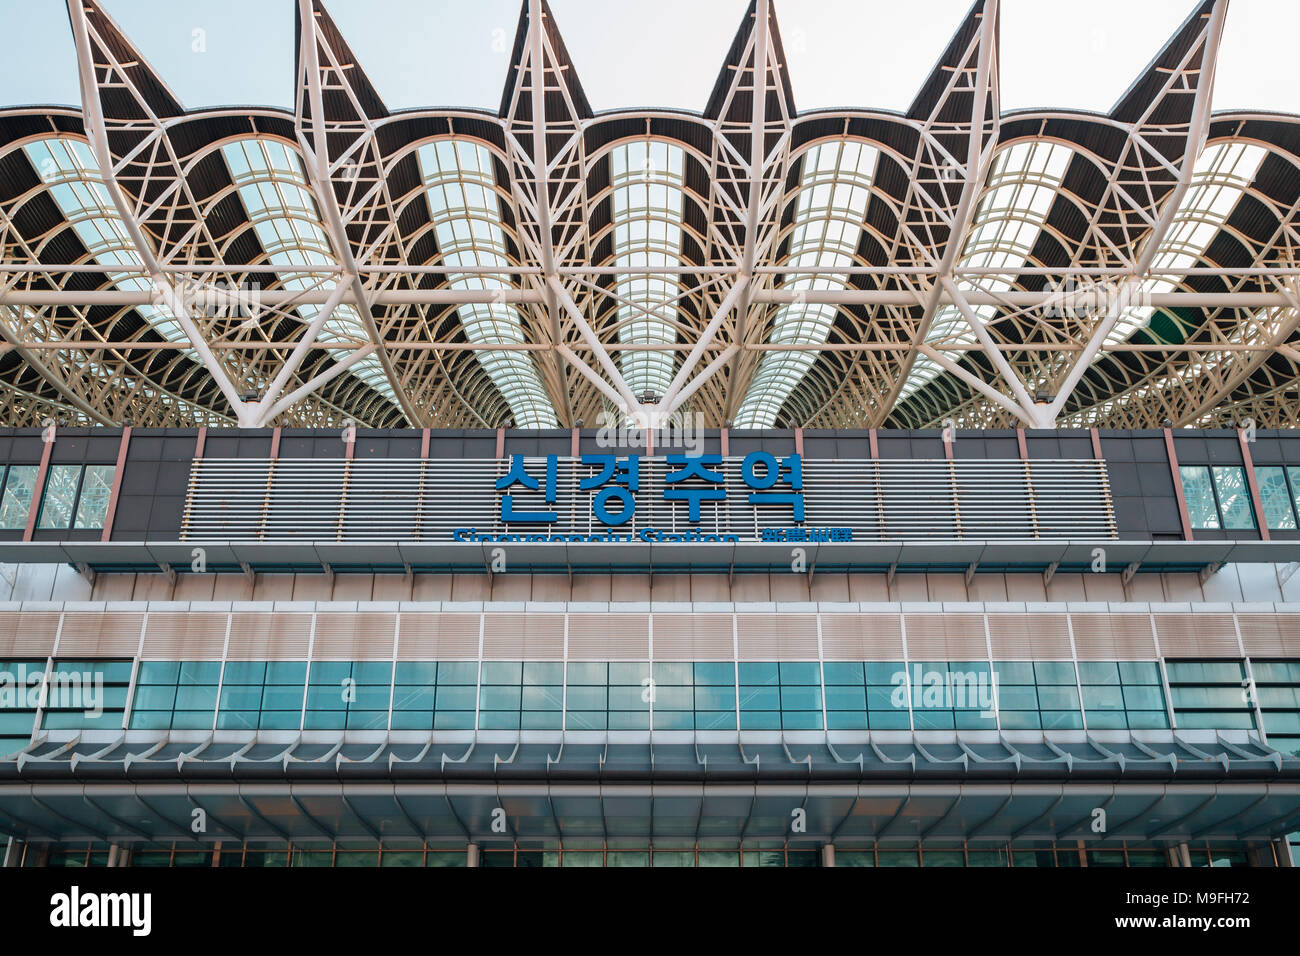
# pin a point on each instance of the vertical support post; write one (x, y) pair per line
(200, 442)
(798, 442)
(350, 446)
(1178, 485)
(828, 855)
(111, 513)
(472, 855)
(501, 443)
(724, 437)
(424, 443)
(1023, 445)
(874, 442)
(574, 446)
(275, 442)
(1256, 502)
(1096, 443)
(13, 852)
(38, 491)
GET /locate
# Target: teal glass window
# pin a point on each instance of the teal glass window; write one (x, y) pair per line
(1217, 497)
(629, 696)
(86, 695)
(60, 495)
(176, 695)
(1234, 497)
(16, 501)
(1276, 498)
(92, 504)
(1210, 695)
(1123, 695)
(1278, 685)
(780, 696)
(262, 695)
(526, 695)
(1198, 491)
(348, 695)
(888, 700)
(1038, 695)
(18, 703)
(588, 696)
(76, 496)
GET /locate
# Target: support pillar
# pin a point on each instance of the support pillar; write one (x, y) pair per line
(13, 852)
(828, 854)
(472, 854)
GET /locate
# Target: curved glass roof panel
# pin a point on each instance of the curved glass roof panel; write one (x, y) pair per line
(75, 185)
(834, 189)
(1223, 173)
(1013, 209)
(279, 203)
(466, 213)
(647, 203)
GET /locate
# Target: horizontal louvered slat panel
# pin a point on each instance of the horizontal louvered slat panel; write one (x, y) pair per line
(693, 637)
(28, 633)
(609, 637)
(775, 637)
(1197, 635)
(438, 637)
(1269, 635)
(269, 637)
(945, 637)
(862, 637)
(106, 634)
(367, 636)
(1027, 636)
(408, 499)
(185, 636)
(1100, 637)
(515, 637)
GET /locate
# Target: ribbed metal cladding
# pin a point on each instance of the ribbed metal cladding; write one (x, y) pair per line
(341, 636)
(272, 637)
(512, 637)
(760, 635)
(1197, 635)
(777, 637)
(108, 634)
(1101, 637)
(185, 635)
(1033, 636)
(609, 637)
(862, 637)
(438, 637)
(412, 500)
(693, 637)
(1268, 635)
(945, 637)
(28, 633)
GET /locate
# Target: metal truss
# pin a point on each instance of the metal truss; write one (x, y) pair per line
(543, 264)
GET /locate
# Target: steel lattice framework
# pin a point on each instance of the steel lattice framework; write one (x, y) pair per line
(543, 264)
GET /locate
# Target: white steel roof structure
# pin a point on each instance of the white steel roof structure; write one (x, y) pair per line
(542, 263)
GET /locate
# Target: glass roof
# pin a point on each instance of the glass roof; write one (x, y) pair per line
(70, 170)
(467, 226)
(1022, 185)
(1222, 173)
(280, 205)
(647, 204)
(834, 188)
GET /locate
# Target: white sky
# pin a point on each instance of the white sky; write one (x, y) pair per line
(864, 53)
